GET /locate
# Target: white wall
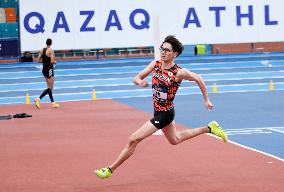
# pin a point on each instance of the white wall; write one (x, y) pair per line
(191, 21)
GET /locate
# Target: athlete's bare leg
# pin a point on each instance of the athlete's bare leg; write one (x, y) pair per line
(50, 82)
(145, 131)
(175, 137)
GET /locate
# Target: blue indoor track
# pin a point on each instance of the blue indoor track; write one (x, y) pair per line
(244, 104)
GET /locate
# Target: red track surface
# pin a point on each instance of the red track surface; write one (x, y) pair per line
(57, 150)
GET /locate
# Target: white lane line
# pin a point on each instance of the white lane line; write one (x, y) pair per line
(263, 130)
(258, 151)
(276, 129)
(159, 132)
(185, 88)
(138, 67)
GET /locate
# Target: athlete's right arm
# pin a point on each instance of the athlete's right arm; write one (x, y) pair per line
(139, 79)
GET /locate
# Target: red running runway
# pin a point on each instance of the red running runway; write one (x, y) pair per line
(57, 150)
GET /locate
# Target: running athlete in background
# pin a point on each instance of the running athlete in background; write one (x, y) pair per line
(166, 79)
(47, 57)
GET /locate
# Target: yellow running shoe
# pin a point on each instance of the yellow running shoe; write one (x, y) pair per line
(37, 103)
(103, 173)
(217, 130)
(55, 105)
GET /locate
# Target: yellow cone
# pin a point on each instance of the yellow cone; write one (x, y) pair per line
(214, 88)
(28, 99)
(94, 95)
(271, 85)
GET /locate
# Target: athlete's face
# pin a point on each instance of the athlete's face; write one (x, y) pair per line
(167, 52)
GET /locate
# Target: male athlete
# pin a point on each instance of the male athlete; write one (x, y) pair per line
(46, 56)
(166, 79)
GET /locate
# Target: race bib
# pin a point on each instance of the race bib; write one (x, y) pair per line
(160, 93)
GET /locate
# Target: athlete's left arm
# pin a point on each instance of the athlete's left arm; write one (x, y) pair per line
(52, 57)
(191, 76)
(39, 59)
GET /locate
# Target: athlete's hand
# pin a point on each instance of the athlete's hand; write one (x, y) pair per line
(208, 105)
(144, 83)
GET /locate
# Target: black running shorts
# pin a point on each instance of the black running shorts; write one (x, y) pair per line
(163, 118)
(47, 72)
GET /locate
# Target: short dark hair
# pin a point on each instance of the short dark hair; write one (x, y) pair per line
(48, 42)
(176, 44)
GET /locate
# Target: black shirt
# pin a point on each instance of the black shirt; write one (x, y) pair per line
(46, 60)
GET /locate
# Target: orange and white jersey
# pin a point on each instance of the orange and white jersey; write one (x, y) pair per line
(164, 86)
